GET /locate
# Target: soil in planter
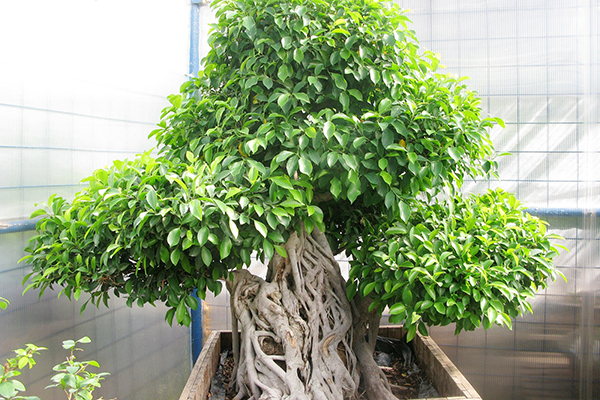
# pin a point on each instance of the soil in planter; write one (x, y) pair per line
(406, 379)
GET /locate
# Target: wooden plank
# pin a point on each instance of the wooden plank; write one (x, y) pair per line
(442, 372)
(445, 376)
(198, 384)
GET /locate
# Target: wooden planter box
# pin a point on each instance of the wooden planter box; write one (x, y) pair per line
(446, 378)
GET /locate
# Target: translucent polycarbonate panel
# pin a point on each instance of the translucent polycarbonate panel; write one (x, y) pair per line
(535, 64)
(147, 359)
(83, 83)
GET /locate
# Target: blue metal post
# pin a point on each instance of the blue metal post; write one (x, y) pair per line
(196, 328)
(18, 226)
(544, 212)
(195, 37)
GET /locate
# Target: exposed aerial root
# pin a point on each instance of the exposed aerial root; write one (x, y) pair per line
(297, 337)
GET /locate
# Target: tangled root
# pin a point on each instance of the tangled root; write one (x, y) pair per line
(296, 329)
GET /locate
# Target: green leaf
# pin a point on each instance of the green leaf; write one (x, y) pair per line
(268, 249)
(375, 76)
(353, 192)
(389, 39)
(7, 389)
(283, 100)
(206, 256)
(387, 139)
(407, 296)
(350, 160)
(196, 209)
(344, 100)
(248, 23)
(232, 192)
(225, 247)
(328, 129)
(175, 256)
(313, 80)
(23, 362)
(261, 228)
(303, 97)
(281, 251)
(181, 312)
(340, 82)
(336, 187)
(440, 307)
(305, 166)
(387, 286)
(283, 72)
(412, 332)
(68, 344)
(356, 94)
(368, 288)
(387, 178)
(332, 158)
(286, 42)
(203, 235)
(384, 105)
(491, 314)
(292, 165)
(174, 237)
(397, 308)
(252, 81)
(151, 198)
(426, 304)
(284, 155)
(351, 290)
(192, 302)
(358, 142)
(423, 329)
(311, 132)
(282, 181)
(298, 55)
(268, 82)
(233, 228)
(455, 153)
(405, 211)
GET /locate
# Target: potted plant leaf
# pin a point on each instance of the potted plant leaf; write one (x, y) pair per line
(314, 128)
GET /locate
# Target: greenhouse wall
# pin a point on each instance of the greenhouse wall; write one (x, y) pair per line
(535, 65)
(83, 83)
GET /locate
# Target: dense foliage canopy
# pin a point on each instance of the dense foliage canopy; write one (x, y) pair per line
(320, 114)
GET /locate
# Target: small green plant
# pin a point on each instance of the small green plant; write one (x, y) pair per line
(73, 377)
(9, 386)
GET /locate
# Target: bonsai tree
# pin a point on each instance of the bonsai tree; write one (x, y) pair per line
(315, 128)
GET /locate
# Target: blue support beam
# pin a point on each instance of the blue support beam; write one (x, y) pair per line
(195, 37)
(196, 325)
(18, 226)
(563, 212)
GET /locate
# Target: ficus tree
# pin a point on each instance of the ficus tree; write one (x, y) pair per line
(315, 128)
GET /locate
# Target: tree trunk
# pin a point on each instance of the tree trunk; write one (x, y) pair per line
(300, 338)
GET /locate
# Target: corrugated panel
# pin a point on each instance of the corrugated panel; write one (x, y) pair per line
(535, 65)
(83, 83)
